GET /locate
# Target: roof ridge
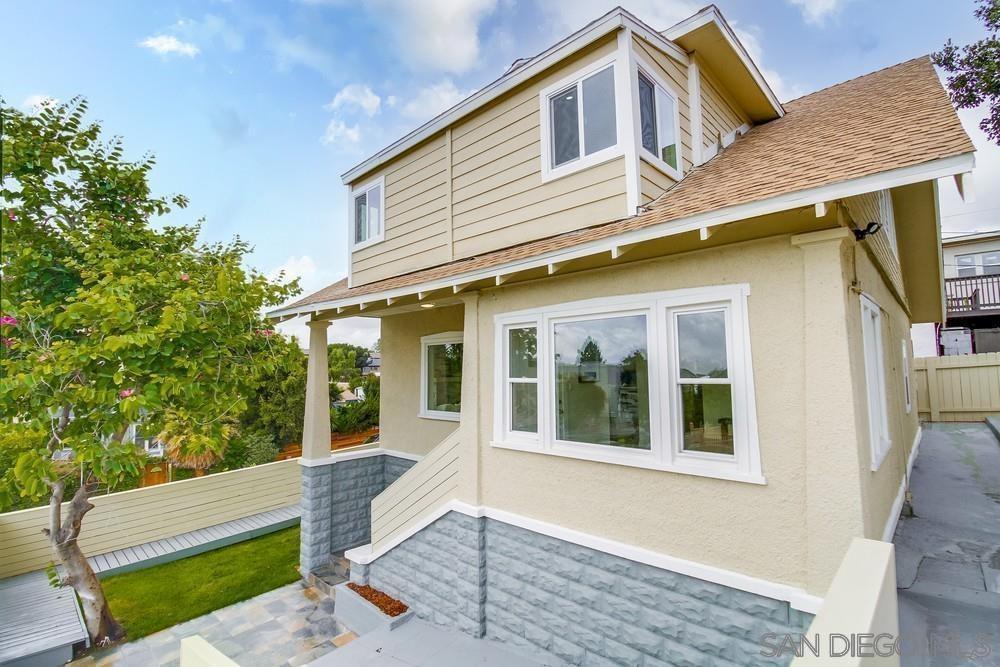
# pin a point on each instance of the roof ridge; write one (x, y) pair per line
(915, 59)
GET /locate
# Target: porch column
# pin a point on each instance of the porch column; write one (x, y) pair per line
(316, 428)
(468, 485)
(833, 505)
(317, 485)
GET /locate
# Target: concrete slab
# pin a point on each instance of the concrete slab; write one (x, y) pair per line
(418, 643)
(948, 552)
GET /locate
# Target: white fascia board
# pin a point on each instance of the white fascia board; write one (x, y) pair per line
(889, 179)
(796, 597)
(711, 14)
(613, 20)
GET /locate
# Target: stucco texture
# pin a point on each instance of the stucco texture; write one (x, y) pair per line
(401, 427)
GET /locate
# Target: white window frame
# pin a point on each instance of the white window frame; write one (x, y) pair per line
(907, 378)
(978, 265)
(352, 212)
(879, 436)
(510, 435)
(445, 338)
(584, 161)
(666, 441)
(644, 67)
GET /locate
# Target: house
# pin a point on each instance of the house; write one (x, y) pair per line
(347, 395)
(972, 293)
(647, 333)
(373, 366)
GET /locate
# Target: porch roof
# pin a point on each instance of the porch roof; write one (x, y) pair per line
(886, 129)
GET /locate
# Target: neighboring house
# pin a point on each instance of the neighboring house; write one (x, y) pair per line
(373, 366)
(972, 293)
(347, 395)
(652, 367)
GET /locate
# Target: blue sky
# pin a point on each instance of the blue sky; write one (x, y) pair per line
(254, 109)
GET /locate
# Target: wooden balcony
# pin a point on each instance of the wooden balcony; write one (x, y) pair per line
(973, 295)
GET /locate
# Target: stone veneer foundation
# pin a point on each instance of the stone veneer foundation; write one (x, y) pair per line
(336, 504)
(570, 603)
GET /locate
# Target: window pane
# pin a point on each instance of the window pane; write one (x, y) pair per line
(565, 127)
(602, 381)
(647, 114)
(524, 407)
(701, 344)
(965, 260)
(966, 272)
(522, 345)
(374, 211)
(444, 377)
(708, 418)
(665, 109)
(360, 218)
(599, 130)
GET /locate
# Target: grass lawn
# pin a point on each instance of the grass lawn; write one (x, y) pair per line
(158, 597)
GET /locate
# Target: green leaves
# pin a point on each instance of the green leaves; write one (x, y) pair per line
(119, 322)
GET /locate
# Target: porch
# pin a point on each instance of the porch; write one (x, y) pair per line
(972, 296)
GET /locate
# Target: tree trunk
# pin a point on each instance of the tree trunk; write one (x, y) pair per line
(101, 625)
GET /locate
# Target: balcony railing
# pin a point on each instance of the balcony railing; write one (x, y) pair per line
(972, 294)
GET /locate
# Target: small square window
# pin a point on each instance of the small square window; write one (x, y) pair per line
(581, 118)
(441, 376)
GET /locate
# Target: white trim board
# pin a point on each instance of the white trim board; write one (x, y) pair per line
(798, 598)
(897, 504)
(810, 197)
(353, 453)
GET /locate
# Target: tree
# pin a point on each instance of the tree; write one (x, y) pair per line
(974, 69)
(346, 361)
(107, 322)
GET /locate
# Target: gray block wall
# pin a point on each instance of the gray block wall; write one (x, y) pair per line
(336, 504)
(440, 573)
(571, 604)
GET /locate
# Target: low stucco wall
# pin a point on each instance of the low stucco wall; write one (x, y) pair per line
(401, 427)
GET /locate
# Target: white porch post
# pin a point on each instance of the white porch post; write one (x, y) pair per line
(316, 428)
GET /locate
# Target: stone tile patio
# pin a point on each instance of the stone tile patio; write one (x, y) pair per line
(291, 625)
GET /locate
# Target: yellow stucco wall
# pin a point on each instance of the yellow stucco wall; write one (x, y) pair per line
(400, 426)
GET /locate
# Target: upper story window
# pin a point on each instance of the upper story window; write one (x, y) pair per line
(366, 213)
(659, 122)
(658, 381)
(579, 121)
(978, 264)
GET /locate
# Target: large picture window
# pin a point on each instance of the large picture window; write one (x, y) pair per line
(654, 380)
(441, 376)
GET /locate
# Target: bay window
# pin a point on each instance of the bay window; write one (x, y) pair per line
(659, 380)
(441, 376)
(579, 120)
(659, 122)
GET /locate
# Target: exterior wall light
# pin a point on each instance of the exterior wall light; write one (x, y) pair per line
(870, 228)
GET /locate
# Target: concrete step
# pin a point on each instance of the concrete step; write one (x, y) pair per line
(337, 571)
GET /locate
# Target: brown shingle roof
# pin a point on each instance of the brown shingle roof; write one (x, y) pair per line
(896, 117)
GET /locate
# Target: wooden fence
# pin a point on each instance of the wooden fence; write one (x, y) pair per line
(125, 519)
(958, 388)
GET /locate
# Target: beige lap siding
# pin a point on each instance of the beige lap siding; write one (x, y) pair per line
(864, 209)
(415, 215)
(129, 518)
(720, 115)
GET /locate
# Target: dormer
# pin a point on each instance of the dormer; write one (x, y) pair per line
(587, 132)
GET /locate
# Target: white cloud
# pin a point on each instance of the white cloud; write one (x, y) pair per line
(32, 102)
(339, 132)
(210, 28)
(817, 11)
(437, 35)
(570, 15)
(432, 100)
(168, 44)
(980, 215)
(299, 51)
(356, 95)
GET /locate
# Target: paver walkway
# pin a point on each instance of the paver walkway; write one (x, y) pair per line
(948, 553)
(291, 626)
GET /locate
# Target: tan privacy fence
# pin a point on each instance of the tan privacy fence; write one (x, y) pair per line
(959, 388)
(125, 519)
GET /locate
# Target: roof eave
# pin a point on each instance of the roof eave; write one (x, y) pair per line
(939, 168)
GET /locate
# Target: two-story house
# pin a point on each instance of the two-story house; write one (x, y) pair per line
(647, 342)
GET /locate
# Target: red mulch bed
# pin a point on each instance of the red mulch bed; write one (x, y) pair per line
(389, 605)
